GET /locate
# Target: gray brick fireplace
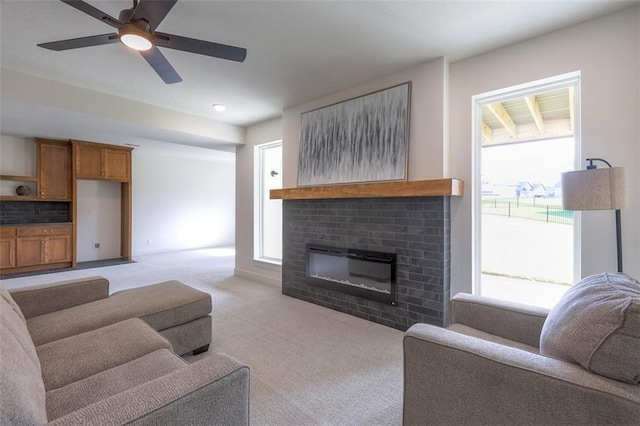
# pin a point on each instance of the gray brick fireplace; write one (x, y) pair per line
(415, 229)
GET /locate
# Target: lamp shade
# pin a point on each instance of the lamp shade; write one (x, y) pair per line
(594, 189)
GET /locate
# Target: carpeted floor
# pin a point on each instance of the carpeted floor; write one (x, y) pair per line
(309, 365)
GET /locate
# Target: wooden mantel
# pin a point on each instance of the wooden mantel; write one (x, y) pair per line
(418, 188)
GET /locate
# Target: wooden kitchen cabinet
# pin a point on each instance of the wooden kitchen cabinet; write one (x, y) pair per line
(88, 160)
(60, 165)
(117, 164)
(58, 249)
(7, 247)
(54, 169)
(42, 245)
(30, 251)
(98, 161)
(102, 162)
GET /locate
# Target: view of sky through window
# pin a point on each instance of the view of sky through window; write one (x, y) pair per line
(534, 162)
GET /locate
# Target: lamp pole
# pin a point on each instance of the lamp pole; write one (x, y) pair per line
(618, 215)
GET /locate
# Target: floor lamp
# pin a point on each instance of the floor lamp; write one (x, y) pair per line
(597, 189)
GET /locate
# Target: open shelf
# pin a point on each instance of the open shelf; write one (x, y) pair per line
(29, 198)
(19, 178)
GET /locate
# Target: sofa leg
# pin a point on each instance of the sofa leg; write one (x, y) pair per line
(201, 349)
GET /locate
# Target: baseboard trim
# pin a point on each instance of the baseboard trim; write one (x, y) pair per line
(276, 282)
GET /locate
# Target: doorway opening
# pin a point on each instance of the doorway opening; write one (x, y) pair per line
(526, 245)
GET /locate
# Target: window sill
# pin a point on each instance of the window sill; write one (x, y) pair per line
(276, 265)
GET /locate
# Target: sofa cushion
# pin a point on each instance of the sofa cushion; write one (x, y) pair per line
(45, 298)
(597, 324)
(76, 395)
(211, 391)
(162, 305)
(22, 397)
(77, 357)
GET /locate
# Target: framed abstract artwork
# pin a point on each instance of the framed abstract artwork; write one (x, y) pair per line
(364, 139)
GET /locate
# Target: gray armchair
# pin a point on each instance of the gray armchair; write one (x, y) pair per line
(486, 369)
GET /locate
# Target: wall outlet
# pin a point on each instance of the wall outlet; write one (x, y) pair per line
(148, 242)
(96, 245)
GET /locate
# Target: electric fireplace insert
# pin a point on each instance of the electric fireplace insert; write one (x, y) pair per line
(361, 273)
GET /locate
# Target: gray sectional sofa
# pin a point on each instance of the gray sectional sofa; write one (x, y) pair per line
(72, 354)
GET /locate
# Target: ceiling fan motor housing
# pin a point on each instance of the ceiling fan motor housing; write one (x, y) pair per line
(125, 16)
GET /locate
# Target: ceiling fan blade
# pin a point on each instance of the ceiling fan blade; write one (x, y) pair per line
(160, 64)
(76, 43)
(96, 13)
(153, 11)
(201, 47)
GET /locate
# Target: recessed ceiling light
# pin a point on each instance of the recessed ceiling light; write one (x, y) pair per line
(219, 107)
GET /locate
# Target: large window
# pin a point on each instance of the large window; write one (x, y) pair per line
(527, 246)
(267, 212)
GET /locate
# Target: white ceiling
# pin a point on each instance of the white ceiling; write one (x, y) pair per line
(297, 50)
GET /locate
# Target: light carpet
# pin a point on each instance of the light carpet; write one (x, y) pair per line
(309, 365)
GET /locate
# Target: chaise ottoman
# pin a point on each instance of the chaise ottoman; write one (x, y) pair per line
(178, 312)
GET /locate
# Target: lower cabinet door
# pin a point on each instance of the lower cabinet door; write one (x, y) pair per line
(30, 251)
(58, 249)
(7, 253)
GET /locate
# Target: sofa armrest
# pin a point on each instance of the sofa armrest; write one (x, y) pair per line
(514, 321)
(47, 298)
(450, 378)
(212, 391)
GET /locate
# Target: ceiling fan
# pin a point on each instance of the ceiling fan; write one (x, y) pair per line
(137, 30)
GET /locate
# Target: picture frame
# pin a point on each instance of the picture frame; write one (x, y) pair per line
(362, 139)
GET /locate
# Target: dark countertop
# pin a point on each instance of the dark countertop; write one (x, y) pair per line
(36, 224)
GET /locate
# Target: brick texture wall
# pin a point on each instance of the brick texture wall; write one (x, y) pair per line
(21, 212)
(416, 229)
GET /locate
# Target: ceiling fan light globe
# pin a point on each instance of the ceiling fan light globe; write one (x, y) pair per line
(136, 41)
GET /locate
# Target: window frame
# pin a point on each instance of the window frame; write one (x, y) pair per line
(258, 204)
(571, 79)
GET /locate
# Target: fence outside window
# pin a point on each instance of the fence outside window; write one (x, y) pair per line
(527, 210)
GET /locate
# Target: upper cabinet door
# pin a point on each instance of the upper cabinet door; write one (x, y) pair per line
(117, 165)
(89, 162)
(54, 170)
(102, 162)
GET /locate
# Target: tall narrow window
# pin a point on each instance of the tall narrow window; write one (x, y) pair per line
(527, 246)
(267, 212)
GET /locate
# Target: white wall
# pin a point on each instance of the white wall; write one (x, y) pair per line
(268, 131)
(183, 198)
(18, 158)
(98, 220)
(606, 52)
(426, 130)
